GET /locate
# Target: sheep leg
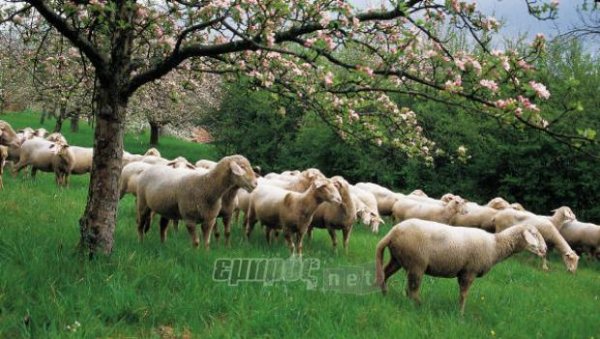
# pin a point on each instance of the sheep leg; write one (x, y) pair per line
(207, 227)
(414, 283)
(333, 237)
(249, 221)
(191, 227)
(309, 233)
(464, 281)
(299, 240)
(143, 219)
(164, 225)
(176, 225)
(392, 267)
(545, 264)
(288, 240)
(33, 172)
(216, 232)
(268, 235)
(346, 233)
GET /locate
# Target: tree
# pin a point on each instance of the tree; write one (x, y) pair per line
(295, 47)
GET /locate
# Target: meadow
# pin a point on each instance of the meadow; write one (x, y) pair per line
(153, 290)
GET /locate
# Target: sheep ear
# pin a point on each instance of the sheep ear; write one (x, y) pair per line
(236, 169)
(531, 240)
(190, 166)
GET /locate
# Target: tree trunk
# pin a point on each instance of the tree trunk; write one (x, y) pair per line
(60, 119)
(154, 133)
(97, 224)
(74, 123)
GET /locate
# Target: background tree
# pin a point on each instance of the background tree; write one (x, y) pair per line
(296, 46)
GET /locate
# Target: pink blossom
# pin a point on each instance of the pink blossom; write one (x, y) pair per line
(518, 112)
(353, 115)
(328, 79)
(540, 90)
(489, 84)
(324, 21)
(309, 42)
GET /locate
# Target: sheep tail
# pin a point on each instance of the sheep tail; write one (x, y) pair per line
(381, 246)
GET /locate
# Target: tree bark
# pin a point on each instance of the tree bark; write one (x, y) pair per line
(75, 123)
(97, 224)
(154, 133)
(60, 119)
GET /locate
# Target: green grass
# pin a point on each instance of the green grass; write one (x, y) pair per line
(147, 289)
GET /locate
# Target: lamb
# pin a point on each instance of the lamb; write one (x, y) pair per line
(407, 208)
(334, 216)
(425, 247)
(547, 227)
(191, 196)
(276, 208)
(583, 237)
(3, 157)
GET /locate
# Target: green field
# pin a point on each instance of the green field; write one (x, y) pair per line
(153, 290)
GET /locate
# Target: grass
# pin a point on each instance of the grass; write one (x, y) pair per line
(153, 290)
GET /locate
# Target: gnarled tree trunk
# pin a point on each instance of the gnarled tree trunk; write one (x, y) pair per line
(98, 222)
(154, 133)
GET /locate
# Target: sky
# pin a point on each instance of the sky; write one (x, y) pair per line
(517, 21)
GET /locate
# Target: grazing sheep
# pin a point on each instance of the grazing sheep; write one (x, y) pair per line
(191, 196)
(366, 208)
(425, 247)
(36, 153)
(407, 208)
(291, 211)
(547, 227)
(476, 216)
(3, 157)
(130, 176)
(584, 237)
(498, 203)
(385, 197)
(334, 216)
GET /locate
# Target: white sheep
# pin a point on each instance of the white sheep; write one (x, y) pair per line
(385, 197)
(584, 237)
(188, 195)
(57, 137)
(476, 216)
(366, 208)
(7, 133)
(425, 247)
(407, 208)
(37, 153)
(498, 203)
(336, 216)
(278, 208)
(547, 227)
(204, 163)
(62, 162)
(83, 159)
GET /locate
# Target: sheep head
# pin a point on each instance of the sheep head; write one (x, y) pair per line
(40, 132)
(56, 137)
(326, 191)
(152, 151)
(7, 133)
(242, 173)
(457, 205)
(181, 162)
(565, 214)
(534, 241)
(447, 197)
(571, 259)
(375, 222)
(59, 148)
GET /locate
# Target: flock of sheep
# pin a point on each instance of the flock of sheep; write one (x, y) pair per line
(449, 237)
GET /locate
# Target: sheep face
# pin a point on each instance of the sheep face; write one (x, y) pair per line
(457, 205)
(375, 222)
(364, 216)
(447, 197)
(534, 241)
(40, 132)
(59, 148)
(326, 191)
(243, 175)
(152, 151)
(565, 213)
(56, 137)
(571, 259)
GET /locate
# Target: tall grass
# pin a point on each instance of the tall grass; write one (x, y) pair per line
(153, 290)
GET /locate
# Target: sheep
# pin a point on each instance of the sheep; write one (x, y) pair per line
(385, 197)
(40, 132)
(366, 208)
(62, 162)
(3, 157)
(547, 227)
(291, 211)
(189, 195)
(334, 216)
(419, 193)
(154, 160)
(426, 247)
(407, 208)
(517, 206)
(475, 216)
(36, 153)
(583, 237)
